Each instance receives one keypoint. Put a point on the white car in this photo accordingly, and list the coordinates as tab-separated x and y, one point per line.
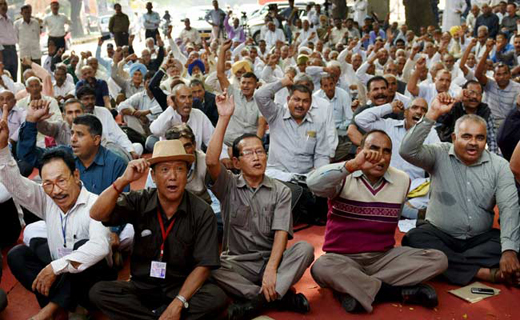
103	23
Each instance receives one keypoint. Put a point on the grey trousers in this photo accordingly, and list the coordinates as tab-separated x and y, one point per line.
360	275
237	279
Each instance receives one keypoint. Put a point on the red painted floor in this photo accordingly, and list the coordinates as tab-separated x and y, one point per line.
506	305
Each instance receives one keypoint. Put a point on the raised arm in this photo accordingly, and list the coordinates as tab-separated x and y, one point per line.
221	65
372	118
106	202
480	74
327	181
264	98
462	63
225	107
413	148
413	84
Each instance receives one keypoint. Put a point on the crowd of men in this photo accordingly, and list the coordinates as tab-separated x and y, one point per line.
349	123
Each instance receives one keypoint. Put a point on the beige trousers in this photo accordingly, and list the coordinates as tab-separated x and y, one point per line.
360	275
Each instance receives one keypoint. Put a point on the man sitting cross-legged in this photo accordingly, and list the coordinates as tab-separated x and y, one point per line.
175	247
61	272
467	182
256	209
361	264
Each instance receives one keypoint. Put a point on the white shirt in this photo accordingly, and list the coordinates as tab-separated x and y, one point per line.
191	35
53	108
111	130
76	222
198	122
141	101
56	24
9	83
28	35
429	92
372	118
66	89
322	111
272	37
341	105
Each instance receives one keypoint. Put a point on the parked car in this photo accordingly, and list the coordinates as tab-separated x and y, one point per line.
103	23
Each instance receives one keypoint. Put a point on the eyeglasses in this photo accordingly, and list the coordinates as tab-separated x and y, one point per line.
48	186
249	153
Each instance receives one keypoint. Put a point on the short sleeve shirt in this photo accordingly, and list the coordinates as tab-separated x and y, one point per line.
251	216
191	243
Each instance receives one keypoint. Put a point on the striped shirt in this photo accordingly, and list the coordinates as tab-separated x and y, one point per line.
500	101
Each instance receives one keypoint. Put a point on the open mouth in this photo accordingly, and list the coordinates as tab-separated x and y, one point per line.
416	118
257	166
172	188
60	198
472	152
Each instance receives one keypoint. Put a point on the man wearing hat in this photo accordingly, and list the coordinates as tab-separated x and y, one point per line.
135	83
175	246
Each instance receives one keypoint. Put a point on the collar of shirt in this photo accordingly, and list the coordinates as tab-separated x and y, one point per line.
387	176
81	200
483	158
266	182
287	115
153	204
99	159
2	17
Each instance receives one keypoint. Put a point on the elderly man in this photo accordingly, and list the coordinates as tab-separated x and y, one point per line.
467	183
34	88
76	244
471	103
373	119
361	264
442	83
99	86
488	19
177	247
264	269
500	91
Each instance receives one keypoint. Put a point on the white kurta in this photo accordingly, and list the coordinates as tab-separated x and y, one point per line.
452	12
360	13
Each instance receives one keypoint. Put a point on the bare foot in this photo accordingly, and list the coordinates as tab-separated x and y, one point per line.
489	275
49	312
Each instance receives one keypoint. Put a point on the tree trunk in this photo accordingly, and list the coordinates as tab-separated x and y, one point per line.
419	14
75	10
339	9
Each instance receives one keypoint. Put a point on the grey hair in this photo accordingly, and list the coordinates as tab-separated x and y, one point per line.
303	78
485	28
470	117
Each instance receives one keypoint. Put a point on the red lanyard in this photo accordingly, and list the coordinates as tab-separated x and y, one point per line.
164	233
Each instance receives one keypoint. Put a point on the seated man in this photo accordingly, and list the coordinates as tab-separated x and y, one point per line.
298	142
373	119
116	139
361	264
204	100
471	104
99	86
140	109
34	87
176	249
256	264
467	182
98	167
63	268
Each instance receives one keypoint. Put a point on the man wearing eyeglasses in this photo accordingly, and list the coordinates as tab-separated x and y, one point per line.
60	276
255	261
471	103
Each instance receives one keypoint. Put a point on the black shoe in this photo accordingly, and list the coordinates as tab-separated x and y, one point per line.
247	310
421	294
347	302
3	300
296	302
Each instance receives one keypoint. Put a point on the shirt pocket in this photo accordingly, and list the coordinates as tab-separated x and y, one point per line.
309	145
266	219
240	216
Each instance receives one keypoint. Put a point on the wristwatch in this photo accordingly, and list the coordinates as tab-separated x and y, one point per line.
185	303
